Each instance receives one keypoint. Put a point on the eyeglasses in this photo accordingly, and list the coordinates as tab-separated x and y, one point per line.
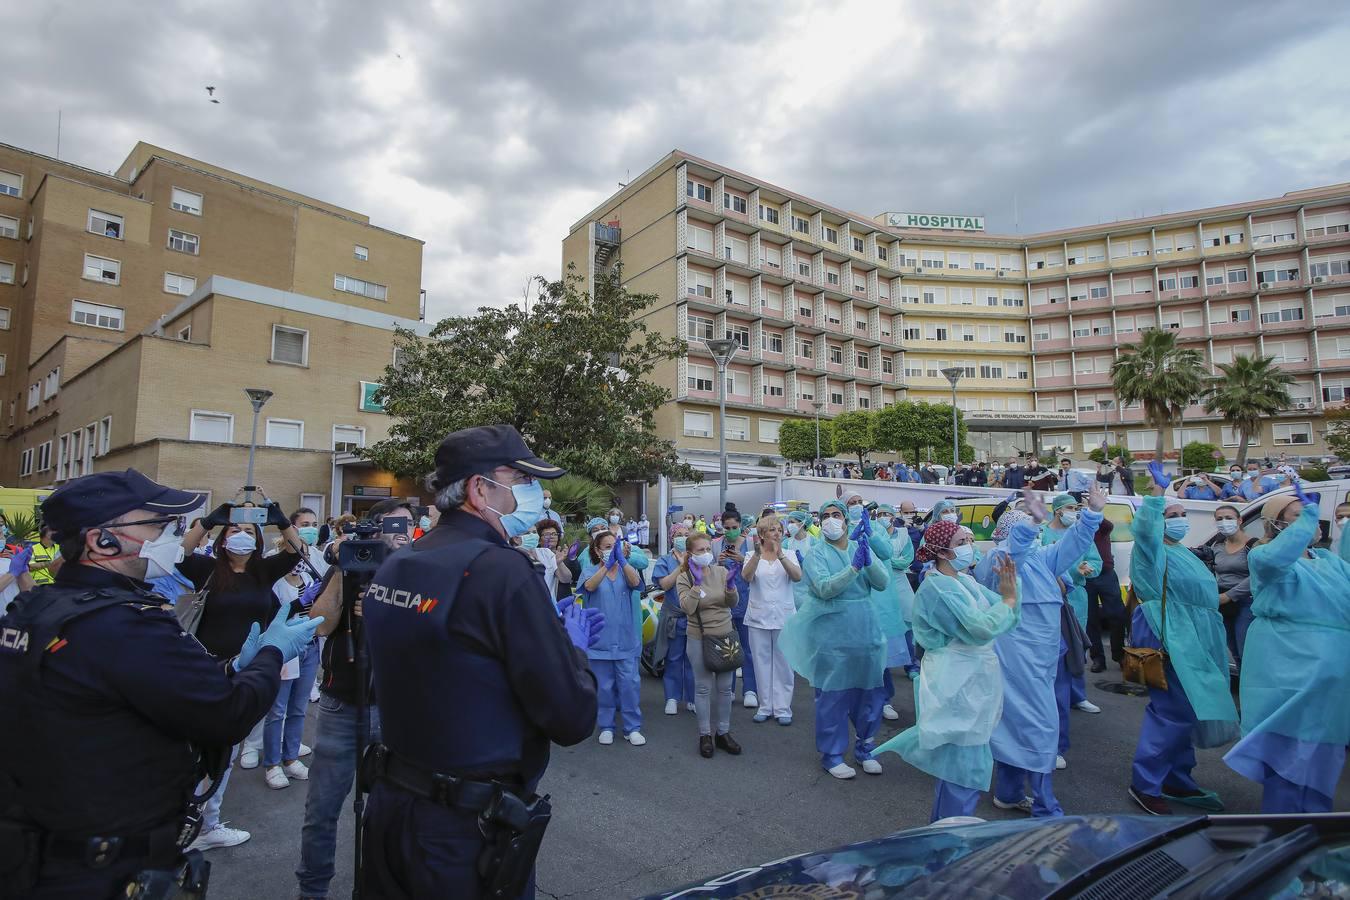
177	521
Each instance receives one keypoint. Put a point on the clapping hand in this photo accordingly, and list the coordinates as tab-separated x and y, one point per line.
311	593
1304	497
1096	497
1034	506
1155	469
862	557
18	563
616	558
1007	578
595	623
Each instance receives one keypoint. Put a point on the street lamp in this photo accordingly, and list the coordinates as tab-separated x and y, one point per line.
257	397
954	374
817	404
723	352
1106	441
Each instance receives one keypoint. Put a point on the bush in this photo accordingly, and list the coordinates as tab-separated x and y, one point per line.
767	463
1313	473
1201	457
23	526
578	499
1111	453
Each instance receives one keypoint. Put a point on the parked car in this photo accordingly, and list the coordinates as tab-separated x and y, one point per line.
1106	857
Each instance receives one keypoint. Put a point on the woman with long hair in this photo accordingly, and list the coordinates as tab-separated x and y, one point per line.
608	584
707	599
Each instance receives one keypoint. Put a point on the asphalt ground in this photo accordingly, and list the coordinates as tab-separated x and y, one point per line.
633	820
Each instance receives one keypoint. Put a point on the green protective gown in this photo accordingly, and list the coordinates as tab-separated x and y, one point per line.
1077	597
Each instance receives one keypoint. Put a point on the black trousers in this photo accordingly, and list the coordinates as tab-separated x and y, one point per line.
1105	610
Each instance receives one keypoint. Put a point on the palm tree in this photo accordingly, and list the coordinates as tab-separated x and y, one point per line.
1248	391
1161	377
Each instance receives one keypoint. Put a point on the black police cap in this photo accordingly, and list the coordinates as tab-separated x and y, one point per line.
477	451
95	499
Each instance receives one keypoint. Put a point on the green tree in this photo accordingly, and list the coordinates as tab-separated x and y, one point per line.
572	373
913	427
797	439
1248	392
1111	453
1338	432
1160	376
1201	456
853	433
578	499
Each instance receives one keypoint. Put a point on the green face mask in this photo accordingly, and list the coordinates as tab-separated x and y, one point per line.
733	533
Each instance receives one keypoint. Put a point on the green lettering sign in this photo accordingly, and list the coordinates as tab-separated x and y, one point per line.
929	220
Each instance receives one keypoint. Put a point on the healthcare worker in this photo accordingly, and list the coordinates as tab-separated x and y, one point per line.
1343	528
1025	742
797	534
731	549
835	641
609	586
1066	511
960	693
1295	721
895	605
1196	708
678	676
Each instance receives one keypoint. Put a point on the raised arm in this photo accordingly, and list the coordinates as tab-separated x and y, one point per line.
823	583
1267	562
1148	558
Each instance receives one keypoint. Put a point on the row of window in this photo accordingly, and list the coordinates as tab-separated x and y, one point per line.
1282	434
702	424
75	452
218	427
1272	312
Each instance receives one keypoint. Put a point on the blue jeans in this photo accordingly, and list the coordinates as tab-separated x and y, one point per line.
679	675
748	663
331	774
286	721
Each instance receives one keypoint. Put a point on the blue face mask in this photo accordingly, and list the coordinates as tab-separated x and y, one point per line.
680	543
965	557
1176	529
529	507
424	523
529	541
855	513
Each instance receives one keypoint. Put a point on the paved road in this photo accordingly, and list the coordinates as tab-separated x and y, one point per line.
631	820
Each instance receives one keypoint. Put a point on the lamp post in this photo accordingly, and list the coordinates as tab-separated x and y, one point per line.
954	374
257	397
1106	441
723	352
817	404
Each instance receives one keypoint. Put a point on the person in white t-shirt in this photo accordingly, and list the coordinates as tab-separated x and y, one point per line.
770	572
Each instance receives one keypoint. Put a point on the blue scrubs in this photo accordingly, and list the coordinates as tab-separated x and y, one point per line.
1069	688
1295	679
741	546
1197	704
614	657
678	677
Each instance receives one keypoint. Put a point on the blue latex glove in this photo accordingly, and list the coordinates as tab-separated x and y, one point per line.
252	643
310	594
616	557
595	623
1155	468
1298	492
566	602
574	623
858	530
18	563
862	558
290	637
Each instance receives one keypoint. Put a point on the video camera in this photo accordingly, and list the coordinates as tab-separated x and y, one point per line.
365	552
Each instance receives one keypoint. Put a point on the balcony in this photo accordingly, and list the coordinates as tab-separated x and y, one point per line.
1053	381
1092	379
1096	417
1284	326
775	402
1323	240
1129	301
1219	329
1045	346
1232	290
1087	304
1329	364
1091	341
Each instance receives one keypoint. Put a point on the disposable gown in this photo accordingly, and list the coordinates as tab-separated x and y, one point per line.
902	557
885	599
1343	544
1196	645
1028	734
1077	596
959	698
835	641
1295	678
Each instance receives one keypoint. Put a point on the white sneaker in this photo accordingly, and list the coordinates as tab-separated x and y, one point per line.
606	737
1087	706
672	707
1023	805
220	836
1061	762
691	707
751	701
314	693
276	779
635	738
888	713
843	771
248	759
297	770
871	767
306	749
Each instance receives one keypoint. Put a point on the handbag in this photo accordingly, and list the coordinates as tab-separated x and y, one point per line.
721	652
1145	665
190	607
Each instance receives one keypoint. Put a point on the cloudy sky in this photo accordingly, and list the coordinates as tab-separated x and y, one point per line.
486	128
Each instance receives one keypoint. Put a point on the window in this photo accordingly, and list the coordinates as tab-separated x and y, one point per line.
698	191
768	431
290	345
350	285
773	385
1316	226
52	386
831	234
3	368
1098	290
1292	433
211	426
348	438
1328	267
1271	276
1233	235
9	227
26	463
771	257
6	273
11	184
700	328
832	276
772	341
737	292
82	312
738	428
800	224
734	203
911	333
864	361
769	214
698	424
700	238
106	224
858	246
737	250
837	398
96	268
1284	312
806	348
933	258
1163	244
179	284
836	354
186	201
887	366
1188	281
1278	232
738	382
700	284
285	433
740	334
881	253
185	333
1141	440
806	389
1183	436
361	253
184	242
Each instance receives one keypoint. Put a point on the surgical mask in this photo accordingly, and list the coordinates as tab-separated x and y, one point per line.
704	559
885	521
855	513
309	534
1342	521
425	522
688	523
1235	473
733	533
1226	526
793	528
614	520
1176	529
1068	516
529	540
833	529
1251	473
548	502
964	558
162	554
951	517
681	542
529	507
241	542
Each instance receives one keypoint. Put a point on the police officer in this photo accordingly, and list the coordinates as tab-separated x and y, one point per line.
476	675
111	707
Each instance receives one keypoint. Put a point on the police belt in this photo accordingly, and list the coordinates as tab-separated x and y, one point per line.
98	851
450	791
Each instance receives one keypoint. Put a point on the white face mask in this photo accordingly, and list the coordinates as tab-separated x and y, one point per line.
241	542
793	528
548	501
1226	526
1342	521
614	520
951	517
964	557
704	559
1068	516
162	554
833	529
688	523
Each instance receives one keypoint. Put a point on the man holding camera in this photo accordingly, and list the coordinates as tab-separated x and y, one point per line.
115	712
477	675
336	750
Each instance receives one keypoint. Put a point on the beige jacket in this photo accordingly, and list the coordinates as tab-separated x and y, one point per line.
710	601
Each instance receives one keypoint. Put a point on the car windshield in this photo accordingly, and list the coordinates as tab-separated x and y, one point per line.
1323	873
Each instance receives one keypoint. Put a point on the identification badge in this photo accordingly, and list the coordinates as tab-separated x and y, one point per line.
701	593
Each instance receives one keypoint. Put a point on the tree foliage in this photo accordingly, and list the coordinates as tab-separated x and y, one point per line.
797	439
852	433
1161	376
913	427
1111	453
1338	432
1246	393
572	374
578	499
1200	455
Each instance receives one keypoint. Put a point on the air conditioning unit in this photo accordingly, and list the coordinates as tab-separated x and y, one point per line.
1318	280
918	271
1000	274
1302	405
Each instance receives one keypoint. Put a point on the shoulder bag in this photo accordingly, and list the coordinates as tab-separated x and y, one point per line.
191	606
1145	665
721	652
